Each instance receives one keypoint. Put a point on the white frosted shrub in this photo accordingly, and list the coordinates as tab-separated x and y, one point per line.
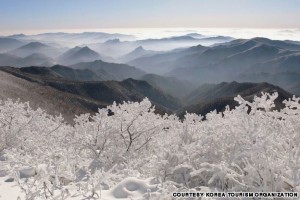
250	148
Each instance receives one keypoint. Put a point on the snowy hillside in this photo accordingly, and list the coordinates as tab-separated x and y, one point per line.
127	151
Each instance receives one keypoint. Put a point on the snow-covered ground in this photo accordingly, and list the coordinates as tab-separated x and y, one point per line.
9	190
129	188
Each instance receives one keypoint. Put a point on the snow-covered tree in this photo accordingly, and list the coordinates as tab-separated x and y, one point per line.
250	148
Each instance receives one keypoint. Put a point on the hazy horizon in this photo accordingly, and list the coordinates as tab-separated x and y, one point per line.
146	33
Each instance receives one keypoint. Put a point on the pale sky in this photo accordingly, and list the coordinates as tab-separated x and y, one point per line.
31	15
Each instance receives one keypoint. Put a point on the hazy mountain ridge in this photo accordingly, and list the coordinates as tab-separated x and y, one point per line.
7	44
36	47
116	48
170	85
112	47
103	92
227	62
77	55
137	53
200	100
119	71
72	39
228	59
163	63
217	96
241	54
93	71
35	59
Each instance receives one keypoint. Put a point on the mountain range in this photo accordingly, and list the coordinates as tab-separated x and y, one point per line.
110	49
75	87
192	72
239	60
72	39
164	62
116	48
113	71
216	97
89	95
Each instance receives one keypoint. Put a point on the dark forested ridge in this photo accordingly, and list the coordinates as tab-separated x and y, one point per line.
88	94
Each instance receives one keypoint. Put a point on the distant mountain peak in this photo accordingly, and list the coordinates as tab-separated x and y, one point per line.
184	37
77	48
195	35
261	39
18	35
86	50
137	53
138	49
57	66
112	41
77	55
98	61
80	50
34	45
